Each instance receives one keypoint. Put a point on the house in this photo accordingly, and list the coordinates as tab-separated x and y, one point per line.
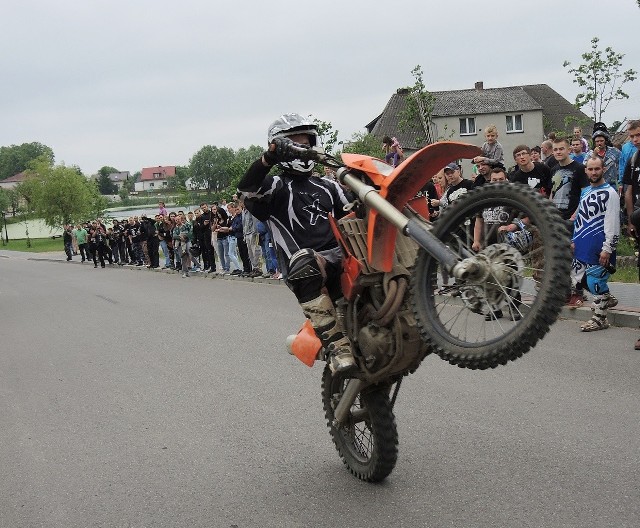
12	181
155	178
522	114
118	178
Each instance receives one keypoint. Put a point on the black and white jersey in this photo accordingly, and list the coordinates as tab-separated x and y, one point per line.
296	208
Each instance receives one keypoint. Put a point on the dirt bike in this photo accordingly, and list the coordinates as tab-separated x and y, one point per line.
504	299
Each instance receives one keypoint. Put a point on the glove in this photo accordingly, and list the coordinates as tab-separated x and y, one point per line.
284	151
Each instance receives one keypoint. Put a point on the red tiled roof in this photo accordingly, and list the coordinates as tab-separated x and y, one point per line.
148	173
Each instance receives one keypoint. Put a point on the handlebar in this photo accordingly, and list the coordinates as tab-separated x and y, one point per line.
316	154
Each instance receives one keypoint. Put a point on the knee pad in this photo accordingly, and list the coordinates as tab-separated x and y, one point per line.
596	278
306	275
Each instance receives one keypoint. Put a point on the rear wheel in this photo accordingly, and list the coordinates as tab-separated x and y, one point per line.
499	315
368	441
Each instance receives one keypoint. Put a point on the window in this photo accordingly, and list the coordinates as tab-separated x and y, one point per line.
157	175
151	185
467	126
514	123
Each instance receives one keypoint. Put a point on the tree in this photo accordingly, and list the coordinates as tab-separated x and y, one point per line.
418	110
361	143
209	167
243	159
601	78
16	158
5	200
59	195
105	185
328	135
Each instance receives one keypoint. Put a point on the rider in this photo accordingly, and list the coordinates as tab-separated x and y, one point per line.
296	204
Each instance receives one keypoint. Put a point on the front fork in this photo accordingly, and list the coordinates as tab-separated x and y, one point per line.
412	228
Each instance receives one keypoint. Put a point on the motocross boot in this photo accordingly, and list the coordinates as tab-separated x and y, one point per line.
322	314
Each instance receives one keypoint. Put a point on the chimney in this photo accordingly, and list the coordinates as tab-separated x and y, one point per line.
479	85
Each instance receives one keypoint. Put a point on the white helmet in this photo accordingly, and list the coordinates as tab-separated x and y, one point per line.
291	125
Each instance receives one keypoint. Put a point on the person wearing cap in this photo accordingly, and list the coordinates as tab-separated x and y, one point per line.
457	185
609	155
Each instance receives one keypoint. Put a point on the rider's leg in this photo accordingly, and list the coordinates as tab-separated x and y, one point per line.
306	277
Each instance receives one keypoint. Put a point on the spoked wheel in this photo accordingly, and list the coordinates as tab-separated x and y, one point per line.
501	312
368	441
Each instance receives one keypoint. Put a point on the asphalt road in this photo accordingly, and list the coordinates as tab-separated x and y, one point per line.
139	399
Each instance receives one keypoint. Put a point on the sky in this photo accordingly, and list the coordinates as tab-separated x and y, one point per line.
138	83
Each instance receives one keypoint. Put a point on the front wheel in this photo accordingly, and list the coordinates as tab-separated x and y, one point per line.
368	442
499	314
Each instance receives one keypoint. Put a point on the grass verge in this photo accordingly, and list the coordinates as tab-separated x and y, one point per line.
38	245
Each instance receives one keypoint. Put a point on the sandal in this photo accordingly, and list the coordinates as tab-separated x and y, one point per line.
595	323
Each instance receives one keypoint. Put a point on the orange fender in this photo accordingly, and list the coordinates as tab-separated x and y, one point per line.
398	185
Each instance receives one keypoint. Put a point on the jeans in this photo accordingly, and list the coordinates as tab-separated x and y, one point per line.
269	253
165	252
233	254
223	253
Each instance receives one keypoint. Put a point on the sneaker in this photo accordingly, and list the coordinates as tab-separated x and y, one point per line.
236	272
493	315
277	275
575	301
185	274
637	347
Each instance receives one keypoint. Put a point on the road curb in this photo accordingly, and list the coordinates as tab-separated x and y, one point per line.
625	317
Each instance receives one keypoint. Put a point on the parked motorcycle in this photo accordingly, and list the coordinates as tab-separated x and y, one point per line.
504	299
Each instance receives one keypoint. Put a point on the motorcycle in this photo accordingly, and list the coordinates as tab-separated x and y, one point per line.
504	299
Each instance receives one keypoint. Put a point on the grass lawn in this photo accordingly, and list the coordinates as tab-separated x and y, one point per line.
38	245
625	275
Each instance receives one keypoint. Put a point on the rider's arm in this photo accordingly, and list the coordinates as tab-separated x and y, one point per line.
253	178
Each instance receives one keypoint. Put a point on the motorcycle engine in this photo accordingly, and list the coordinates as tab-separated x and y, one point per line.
376	344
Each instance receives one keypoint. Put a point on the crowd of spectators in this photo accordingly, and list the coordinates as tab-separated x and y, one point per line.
227	239
559	168
215	238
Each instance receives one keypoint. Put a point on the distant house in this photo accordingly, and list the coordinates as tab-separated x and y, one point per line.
12	181
155	178
522	114
118	178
